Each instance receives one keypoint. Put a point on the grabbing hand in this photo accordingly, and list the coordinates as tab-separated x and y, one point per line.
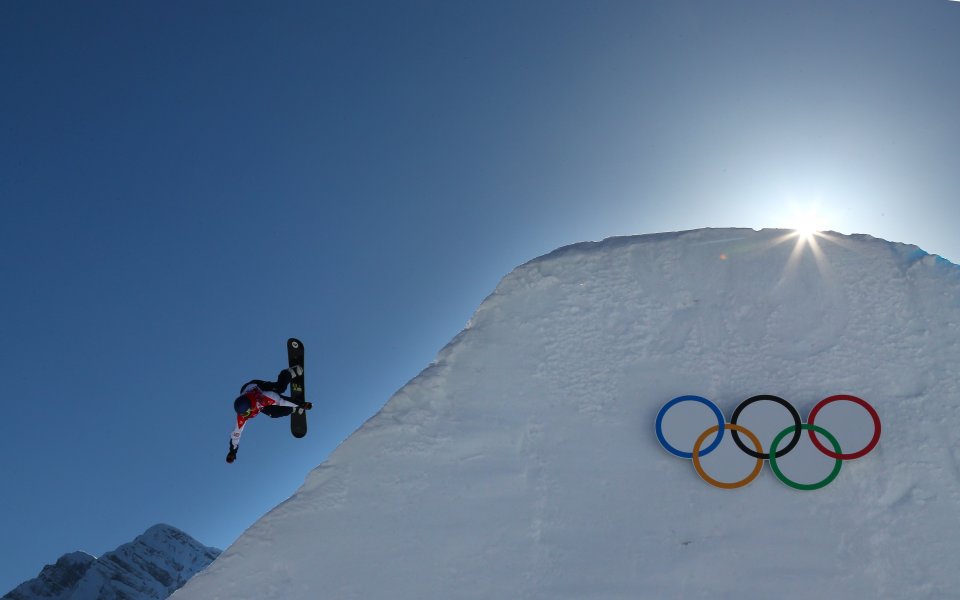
232	454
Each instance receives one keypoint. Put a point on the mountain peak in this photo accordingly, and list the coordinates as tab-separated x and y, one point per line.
57	580
161	535
151	567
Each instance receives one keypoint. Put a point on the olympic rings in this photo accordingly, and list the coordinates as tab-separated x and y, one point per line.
782	402
796	429
669	405
720	484
852	455
801	486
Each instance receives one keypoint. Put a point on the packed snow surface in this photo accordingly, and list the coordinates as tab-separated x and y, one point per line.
524	463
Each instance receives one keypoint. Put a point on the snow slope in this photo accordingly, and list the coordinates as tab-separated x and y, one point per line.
523	463
150	567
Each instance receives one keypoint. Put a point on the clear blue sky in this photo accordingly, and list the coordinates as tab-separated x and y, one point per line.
184	185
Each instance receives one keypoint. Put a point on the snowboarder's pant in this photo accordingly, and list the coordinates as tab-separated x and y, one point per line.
283	380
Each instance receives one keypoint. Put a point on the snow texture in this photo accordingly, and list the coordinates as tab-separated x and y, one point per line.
523	463
151	567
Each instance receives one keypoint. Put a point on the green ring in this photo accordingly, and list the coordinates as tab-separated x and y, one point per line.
802	486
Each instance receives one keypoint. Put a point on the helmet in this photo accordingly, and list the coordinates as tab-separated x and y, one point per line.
242	404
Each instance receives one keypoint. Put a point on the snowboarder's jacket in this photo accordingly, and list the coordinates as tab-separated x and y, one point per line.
262	399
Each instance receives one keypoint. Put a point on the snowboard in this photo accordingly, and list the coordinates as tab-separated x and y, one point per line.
298	420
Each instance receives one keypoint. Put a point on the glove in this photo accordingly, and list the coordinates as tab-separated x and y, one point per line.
307	405
232	454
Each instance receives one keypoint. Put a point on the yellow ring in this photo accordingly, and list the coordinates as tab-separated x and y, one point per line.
721	484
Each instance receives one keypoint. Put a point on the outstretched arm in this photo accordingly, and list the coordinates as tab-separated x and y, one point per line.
235	439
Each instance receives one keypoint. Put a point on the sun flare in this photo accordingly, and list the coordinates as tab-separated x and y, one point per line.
807	222
809	228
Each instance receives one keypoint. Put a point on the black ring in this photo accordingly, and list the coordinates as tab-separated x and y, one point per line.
796	426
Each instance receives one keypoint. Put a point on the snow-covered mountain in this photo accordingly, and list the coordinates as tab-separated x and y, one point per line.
150	567
524	463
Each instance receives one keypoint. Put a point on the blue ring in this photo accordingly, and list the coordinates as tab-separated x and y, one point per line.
703	452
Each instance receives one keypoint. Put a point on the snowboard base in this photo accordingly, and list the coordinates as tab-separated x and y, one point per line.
298	419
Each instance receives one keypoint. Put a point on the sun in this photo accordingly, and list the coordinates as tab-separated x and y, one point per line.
807	221
808	227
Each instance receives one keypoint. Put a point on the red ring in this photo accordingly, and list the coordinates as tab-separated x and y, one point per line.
850	455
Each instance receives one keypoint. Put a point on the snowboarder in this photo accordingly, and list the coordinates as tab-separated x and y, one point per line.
260	396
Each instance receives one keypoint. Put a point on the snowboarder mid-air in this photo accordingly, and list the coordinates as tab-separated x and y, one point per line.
259	396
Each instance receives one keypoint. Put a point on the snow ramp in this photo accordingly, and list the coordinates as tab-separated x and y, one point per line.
524	463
